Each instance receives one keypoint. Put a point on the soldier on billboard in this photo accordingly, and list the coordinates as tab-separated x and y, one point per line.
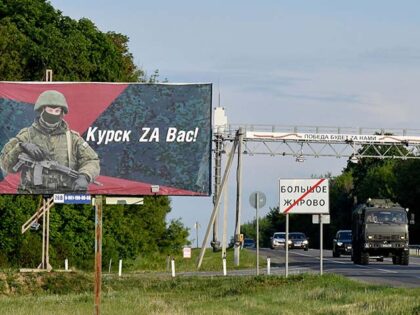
51	157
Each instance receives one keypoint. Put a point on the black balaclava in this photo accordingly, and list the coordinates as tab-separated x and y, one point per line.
50	121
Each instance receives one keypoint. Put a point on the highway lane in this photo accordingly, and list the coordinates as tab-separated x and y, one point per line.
376	272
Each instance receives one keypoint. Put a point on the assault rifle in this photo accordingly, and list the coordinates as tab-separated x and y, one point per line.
38	166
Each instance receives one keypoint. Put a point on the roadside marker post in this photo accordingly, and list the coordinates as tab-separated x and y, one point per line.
173	267
120	268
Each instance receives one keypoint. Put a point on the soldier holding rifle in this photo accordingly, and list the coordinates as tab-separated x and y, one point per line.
51	157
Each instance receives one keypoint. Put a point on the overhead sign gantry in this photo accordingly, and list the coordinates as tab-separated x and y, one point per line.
300	142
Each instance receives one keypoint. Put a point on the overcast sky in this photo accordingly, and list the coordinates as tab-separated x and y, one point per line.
320	63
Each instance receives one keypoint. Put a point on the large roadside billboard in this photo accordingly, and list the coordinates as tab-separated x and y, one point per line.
105	138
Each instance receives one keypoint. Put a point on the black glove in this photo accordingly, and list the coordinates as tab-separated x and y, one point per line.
81	183
33	151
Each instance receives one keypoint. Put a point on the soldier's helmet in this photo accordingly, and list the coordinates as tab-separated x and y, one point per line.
51	98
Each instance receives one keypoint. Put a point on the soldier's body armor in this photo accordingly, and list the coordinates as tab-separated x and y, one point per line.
61	145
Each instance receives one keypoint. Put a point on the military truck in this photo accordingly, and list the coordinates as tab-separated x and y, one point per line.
380	229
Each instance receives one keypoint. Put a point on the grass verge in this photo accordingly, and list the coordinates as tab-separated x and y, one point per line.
153	294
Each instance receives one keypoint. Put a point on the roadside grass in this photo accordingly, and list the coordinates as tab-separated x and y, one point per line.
160	294
212	261
146	287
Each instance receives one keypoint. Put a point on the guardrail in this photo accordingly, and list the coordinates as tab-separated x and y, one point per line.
414	250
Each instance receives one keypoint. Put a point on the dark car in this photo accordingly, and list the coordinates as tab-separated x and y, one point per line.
299	240
249	243
342	243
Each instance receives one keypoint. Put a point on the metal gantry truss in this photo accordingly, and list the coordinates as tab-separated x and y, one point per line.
385	143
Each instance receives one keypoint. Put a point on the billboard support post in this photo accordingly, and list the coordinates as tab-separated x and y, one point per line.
98	253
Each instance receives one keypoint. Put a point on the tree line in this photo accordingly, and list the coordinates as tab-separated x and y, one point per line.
34	36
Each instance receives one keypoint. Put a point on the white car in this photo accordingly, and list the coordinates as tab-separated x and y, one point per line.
278	240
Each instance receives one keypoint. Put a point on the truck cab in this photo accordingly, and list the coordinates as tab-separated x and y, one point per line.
380	229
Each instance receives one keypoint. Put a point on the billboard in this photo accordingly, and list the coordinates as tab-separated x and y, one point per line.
105	138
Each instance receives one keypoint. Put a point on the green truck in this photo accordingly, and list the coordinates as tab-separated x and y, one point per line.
380	229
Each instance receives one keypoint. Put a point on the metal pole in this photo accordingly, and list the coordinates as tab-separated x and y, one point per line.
217	175
43	235
258	232
47	241
287	245
225	211
238	199
98	253
196	231
321	246
216	206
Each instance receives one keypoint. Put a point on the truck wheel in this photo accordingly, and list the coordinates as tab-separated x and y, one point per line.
396	260
380	259
336	254
364	258
356	257
404	258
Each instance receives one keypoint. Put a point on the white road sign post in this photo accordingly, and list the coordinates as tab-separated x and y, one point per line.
308	196
257	200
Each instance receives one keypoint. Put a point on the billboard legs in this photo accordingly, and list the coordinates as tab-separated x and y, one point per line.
98	253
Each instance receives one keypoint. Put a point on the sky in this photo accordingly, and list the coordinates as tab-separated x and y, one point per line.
287	63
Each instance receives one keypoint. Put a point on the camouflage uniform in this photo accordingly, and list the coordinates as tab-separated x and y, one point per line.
54	141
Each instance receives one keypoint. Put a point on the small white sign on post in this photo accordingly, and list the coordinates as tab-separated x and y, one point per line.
325	218
304	196
187	252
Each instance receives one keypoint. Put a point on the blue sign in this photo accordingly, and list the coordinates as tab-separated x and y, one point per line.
72	199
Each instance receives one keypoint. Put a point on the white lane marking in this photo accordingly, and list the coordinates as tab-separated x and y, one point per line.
367	267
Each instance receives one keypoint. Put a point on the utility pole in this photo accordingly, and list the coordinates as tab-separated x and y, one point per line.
215	243
237	246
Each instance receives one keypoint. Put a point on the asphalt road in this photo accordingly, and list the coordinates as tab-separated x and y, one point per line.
376	272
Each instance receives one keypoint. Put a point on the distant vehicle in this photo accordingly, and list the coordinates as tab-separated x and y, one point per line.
278	240
299	240
249	243
342	243
380	229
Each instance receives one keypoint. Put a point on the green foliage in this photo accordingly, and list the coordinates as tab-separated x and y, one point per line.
35	37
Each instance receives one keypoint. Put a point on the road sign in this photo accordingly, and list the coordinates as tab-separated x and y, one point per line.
257	198
72	198
186	252
304	196
325	219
